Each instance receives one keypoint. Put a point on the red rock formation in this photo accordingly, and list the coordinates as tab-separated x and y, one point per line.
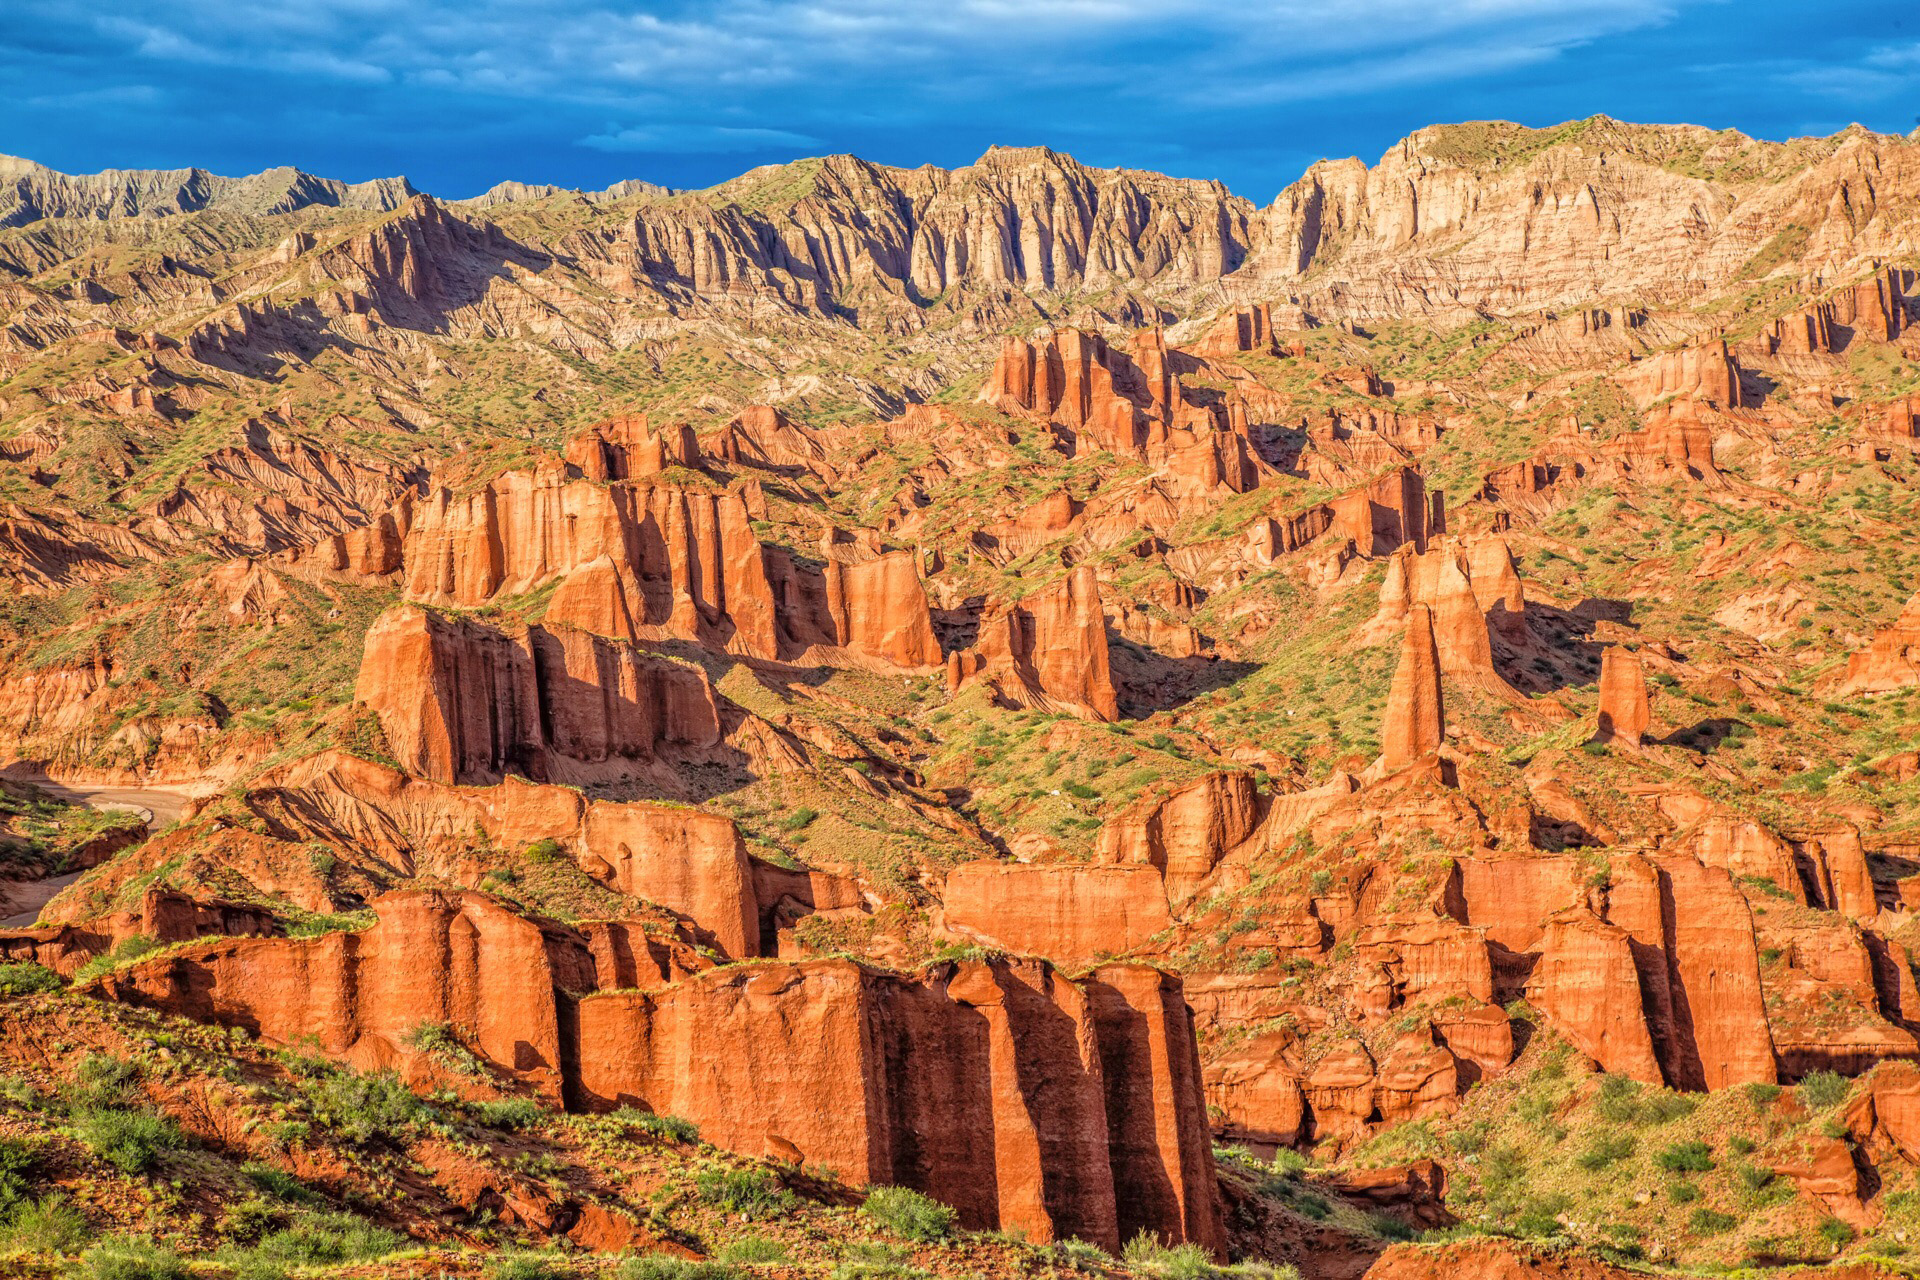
1624	715
690	862
1414	725
1705	373
1185	834
861	607
1392	512
983	1085
762	437
452	959
461	702
1048	650
1892	660
1587	987
1240	330
1069	912
627	448
1256	1089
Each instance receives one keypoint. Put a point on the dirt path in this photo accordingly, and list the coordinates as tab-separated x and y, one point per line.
159	806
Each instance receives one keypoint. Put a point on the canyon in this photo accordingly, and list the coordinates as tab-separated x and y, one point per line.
1138	717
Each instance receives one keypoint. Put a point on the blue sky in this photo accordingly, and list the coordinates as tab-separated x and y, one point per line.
457	94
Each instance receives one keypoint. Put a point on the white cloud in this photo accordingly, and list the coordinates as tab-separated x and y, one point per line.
696	139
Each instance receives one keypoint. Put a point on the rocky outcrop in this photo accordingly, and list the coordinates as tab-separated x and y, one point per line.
661	561
1047	650
983	1085
1242	330
33	192
1415	724
462	702
437	959
1892	660
688	861
1072	913
629	448
1706	375
1624	714
1391	512
1186	834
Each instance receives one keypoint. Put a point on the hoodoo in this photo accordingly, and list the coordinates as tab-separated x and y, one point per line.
1415	723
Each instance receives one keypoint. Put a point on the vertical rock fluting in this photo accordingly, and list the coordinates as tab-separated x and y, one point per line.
1624	713
1047	650
1415	723
1028	1102
981	1084
462	702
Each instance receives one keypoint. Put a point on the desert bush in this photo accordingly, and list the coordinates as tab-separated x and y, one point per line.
1605	1150
25	978
753	1249
102	1080
132	1260
326	1238
1174	1262
510	1113
660	1266
363	1107
909	1214
668	1128
277	1183
49	1225
529	1266
130	1141
1686	1157
751	1193
1823	1089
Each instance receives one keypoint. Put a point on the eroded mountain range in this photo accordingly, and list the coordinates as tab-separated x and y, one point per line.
1002	681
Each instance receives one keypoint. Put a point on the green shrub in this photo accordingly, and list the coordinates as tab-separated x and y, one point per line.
1618	1099
1288	1163
364	1107
50	1225
439	1041
510	1113
1753	1177
129	949
909	1214
130	1141
541	852
529	1266
1708	1222
1176	1262
667	1128
25	978
1686	1157
323	1238
1823	1089
753	1249
102	1080
752	1193
1078	1255
277	1183
1388	1227
1682	1192
1836	1233
1605	1150
798	819
132	1260
660	1266
16	1161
